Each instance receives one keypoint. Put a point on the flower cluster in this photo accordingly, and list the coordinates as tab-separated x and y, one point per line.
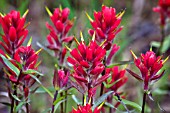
86	109
87	62
163	9
60	78
105	25
14	29
58	33
149	64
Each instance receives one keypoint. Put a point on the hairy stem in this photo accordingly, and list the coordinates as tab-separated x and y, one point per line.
13	99
144	101
55	97
62	105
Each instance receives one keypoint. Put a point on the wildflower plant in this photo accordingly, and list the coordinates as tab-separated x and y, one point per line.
86	72
20	62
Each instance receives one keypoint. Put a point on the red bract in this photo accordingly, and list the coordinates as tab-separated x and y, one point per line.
118	78
14	29
87	62
105	25
149	64
60	79
163	9
86	109
58	33
25	58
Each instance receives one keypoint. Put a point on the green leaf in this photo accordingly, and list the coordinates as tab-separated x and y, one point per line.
19	106
133	104
76	100
45	89
56	106
31	71
45	48
58	100
155	44
101	99
35	78
10	65
15	97
120	63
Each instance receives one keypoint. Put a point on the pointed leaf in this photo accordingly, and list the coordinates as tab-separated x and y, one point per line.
31	71
76	100
15	97
120	63
10	65
101	99
134	74
35	78
133	104
19	106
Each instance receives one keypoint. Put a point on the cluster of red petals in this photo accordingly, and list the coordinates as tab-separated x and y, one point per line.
149	64
164	9
27	57
14	31
58	33
87	62
105	25
86	109
60	78
118	78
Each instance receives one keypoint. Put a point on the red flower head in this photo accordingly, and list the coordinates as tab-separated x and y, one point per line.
14	29
149	64
87	62
27	58
164	9
60	79
118	78
58	33
105	25
86	109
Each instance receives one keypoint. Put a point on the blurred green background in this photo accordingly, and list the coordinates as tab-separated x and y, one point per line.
141	28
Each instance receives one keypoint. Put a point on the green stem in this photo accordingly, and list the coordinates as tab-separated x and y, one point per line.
13	99
144	101
62	105
55	97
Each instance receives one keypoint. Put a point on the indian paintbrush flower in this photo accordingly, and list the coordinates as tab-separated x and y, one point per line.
149	64
164	9
14	29
105	25
87	109
62	25
88	64
60	78
25	58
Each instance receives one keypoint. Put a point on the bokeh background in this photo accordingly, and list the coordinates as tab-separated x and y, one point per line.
141	29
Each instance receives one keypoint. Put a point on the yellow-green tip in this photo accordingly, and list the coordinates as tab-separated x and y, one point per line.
25	14
88	16
81	36
165	60
119	15
48	11
68	48
37	52
133	54
76	41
